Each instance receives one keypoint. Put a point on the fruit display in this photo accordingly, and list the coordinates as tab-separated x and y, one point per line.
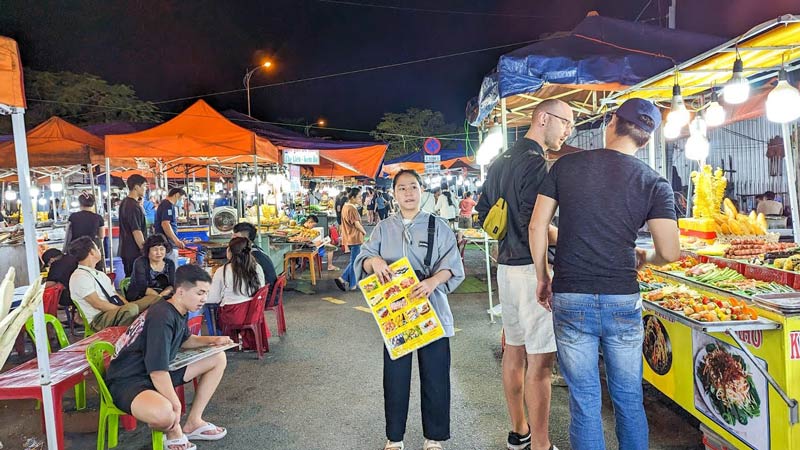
709	188
748	248
733	223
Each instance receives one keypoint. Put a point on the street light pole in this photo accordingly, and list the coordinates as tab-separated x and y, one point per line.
247	76
319	123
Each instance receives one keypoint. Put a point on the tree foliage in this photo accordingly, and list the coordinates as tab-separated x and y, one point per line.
81	99
405	132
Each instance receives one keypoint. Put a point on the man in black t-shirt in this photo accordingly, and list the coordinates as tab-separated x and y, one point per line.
604	197
139	378
132	225
167	221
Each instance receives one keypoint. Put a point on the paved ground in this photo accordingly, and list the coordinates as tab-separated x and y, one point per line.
320	388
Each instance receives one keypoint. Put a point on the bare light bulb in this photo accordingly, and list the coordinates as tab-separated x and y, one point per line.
737	89
715	114
783	102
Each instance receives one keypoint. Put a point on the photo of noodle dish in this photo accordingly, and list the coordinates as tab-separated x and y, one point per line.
656	348
726	384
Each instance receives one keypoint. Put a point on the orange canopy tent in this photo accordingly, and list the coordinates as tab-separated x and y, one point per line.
12	92
200	134
56	142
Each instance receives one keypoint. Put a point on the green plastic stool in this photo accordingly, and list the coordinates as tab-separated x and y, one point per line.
80	388
87	327
96	354
123	286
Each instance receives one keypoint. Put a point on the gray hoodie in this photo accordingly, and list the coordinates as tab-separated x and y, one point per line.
390	241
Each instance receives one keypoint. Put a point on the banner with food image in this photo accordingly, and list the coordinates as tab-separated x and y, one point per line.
730	391
406	323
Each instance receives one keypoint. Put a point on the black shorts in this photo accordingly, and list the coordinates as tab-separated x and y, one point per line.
124	391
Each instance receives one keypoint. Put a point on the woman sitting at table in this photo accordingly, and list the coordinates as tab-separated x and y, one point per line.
153	274
234	285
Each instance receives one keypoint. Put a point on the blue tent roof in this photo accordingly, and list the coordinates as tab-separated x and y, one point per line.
419	155
599	51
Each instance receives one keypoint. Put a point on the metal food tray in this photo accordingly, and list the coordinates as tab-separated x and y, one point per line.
788	302
680	277
712	327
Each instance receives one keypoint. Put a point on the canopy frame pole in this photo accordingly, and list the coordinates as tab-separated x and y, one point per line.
488	259
791	176
29	225
651	152
110	219
238	195
504	123
208	202
258	200
91	183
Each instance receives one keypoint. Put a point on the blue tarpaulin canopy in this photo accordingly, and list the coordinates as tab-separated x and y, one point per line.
600	55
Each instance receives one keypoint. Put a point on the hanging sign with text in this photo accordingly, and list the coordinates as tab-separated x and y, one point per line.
301	157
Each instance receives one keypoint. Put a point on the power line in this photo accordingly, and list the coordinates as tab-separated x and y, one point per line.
349	72
348	130
436	11
643	10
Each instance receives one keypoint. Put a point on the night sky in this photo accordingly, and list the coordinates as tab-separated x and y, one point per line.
171	49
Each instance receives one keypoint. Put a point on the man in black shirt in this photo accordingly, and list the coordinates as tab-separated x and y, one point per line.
139	378
167	221
604	197
132	225
530	345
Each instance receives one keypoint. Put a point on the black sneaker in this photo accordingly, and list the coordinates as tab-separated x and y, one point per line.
518	441
340	284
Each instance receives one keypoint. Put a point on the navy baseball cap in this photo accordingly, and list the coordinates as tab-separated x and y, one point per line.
634	108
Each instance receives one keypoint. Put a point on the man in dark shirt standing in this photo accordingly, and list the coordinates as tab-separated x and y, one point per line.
132	226
604	197
167	221
516	176
139	378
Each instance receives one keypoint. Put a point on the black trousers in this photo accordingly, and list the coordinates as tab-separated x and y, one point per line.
434	374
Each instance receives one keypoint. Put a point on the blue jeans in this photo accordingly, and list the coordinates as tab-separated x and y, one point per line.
349	274
583	323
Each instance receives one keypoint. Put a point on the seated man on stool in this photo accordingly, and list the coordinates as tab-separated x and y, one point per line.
94	292
139	378
311	222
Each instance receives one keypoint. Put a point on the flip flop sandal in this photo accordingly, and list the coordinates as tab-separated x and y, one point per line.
432	445
197	435
394	446
181	441
334	269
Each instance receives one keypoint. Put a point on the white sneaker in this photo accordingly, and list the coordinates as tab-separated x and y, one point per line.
393	445
432	445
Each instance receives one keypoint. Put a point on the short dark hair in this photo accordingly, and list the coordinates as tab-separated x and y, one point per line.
189	275
156	240
50	253
312	218
80	248
174	191
406	172
246	227
769	195
353	192
135	180
86	200
627	128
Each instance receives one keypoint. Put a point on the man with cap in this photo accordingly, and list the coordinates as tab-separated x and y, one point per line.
604	197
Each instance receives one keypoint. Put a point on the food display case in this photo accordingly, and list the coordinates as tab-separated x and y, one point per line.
740	378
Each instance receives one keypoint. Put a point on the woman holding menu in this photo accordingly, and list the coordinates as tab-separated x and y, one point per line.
431	248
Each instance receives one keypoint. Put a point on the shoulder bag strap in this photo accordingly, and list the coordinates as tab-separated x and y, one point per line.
431	236
108	297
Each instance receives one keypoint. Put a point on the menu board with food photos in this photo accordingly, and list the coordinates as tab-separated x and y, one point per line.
406	323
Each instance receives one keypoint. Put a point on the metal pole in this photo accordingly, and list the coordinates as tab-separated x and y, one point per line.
238	192
258	200
671	15
97	210
504	123
110	251
208	192
651	152
488	261
32	262
791	175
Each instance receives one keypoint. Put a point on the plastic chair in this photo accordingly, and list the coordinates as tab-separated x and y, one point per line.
211	313
80	388
87	327
196	324
51	297
123	286
275	304
96	354
253	321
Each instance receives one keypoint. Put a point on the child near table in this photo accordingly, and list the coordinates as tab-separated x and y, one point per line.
139	378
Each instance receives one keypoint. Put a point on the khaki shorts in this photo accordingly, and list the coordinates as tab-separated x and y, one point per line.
525	321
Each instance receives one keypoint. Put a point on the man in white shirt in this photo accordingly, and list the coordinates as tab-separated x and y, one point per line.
93	291
768	206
